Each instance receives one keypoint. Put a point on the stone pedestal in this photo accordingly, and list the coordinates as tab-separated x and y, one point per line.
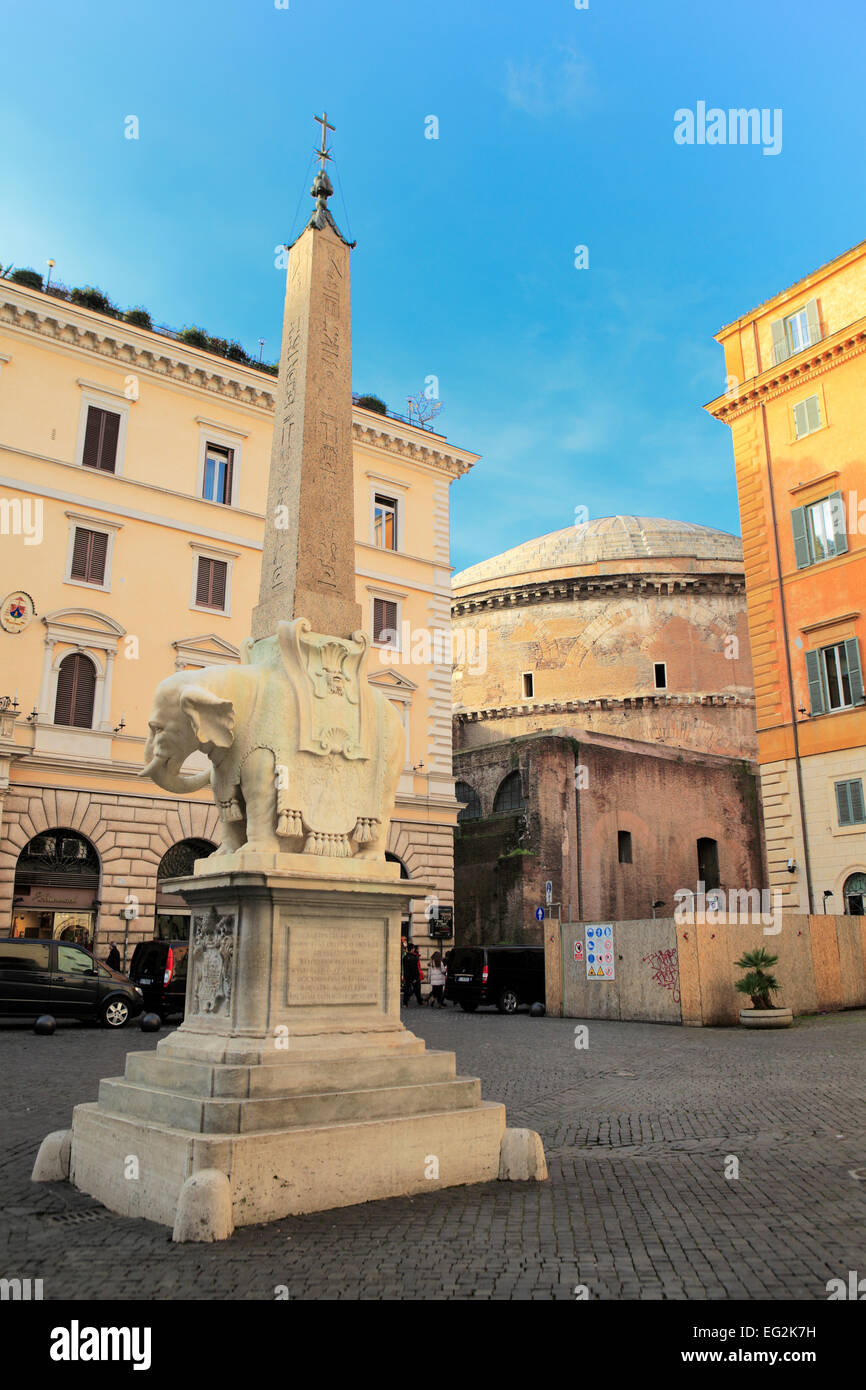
292	1086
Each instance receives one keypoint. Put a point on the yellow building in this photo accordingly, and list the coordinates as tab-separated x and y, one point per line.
133	476
796	406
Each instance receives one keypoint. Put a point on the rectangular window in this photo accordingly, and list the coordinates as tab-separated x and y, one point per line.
799	330
807	416
385	632
89	552
819	530
100	439
835	677
624	846
218	475
850	803
528	685
385	522
661	675
210	588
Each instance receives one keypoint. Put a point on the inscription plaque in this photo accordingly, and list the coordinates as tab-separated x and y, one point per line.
333	965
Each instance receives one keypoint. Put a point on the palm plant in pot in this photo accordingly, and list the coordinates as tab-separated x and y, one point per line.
759	983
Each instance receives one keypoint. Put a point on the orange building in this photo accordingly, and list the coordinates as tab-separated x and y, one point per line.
796	406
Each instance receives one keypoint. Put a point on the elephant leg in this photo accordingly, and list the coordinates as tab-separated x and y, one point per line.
232	836
259	787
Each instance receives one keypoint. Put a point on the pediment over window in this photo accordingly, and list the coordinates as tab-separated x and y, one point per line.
83	627
390	683
205	650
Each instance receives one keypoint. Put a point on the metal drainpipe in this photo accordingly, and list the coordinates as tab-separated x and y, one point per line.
781	588
577	820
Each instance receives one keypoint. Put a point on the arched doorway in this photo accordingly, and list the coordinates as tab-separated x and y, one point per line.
56	888
854	895
406	919
172	913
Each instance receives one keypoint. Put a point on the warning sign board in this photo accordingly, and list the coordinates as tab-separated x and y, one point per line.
599	952
578	950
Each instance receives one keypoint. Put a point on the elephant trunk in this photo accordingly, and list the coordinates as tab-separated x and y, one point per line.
166	773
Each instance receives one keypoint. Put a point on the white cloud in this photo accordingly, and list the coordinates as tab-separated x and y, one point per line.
547	85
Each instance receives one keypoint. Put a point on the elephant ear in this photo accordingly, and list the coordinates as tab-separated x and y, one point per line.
212	718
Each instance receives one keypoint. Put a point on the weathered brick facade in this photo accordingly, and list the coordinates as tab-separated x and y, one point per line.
581	789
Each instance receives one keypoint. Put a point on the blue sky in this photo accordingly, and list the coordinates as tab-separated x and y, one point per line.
578	388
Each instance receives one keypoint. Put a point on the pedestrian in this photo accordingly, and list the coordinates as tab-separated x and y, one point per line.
112	960
412	975
437	980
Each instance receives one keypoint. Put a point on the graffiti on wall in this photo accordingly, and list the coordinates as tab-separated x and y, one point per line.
664	971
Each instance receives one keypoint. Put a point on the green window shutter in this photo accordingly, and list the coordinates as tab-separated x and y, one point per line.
855	674
813	413
816	687
843	802
837	513
858	805
801	423
801	540
813	319
780	341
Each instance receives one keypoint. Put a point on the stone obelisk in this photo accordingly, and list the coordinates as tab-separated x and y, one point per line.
308	562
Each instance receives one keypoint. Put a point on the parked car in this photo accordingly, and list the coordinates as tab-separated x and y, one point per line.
158	968
65	980
506	976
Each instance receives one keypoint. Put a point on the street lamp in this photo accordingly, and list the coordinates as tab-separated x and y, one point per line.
48	281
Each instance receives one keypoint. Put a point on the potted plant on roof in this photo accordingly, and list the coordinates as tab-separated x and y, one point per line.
759	984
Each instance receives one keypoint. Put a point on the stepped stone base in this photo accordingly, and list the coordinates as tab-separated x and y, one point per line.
292	1086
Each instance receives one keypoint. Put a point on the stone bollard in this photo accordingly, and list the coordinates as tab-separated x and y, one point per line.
52	1160
204	1208
521	1157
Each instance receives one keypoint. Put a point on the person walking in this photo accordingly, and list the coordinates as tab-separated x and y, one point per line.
437	980
412	976
112	960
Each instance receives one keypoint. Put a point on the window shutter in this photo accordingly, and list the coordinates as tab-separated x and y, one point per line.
813	319
110	436
76	688
80	548
202	583
780	341
230	466
100	439
219	569
385	621
837	514
801	423
816	688
855	674
92	436
843	802
858	806
801	540
813	414
85	689
98	553
63	703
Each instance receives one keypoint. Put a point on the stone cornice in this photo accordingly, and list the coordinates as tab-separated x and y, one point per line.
791	374
390	437
595	585
632	702
131	349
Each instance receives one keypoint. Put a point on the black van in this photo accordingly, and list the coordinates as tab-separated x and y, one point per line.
506	976
159	970
64	980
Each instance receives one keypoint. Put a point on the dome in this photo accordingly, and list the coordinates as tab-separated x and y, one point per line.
609	544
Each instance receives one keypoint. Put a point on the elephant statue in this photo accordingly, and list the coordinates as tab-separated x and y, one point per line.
305	754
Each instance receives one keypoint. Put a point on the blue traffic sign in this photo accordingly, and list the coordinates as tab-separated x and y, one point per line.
539	914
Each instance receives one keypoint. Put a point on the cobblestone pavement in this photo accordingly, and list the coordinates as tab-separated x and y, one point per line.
637	1130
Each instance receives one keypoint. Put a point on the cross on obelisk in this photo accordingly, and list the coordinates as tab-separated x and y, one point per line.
308	560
